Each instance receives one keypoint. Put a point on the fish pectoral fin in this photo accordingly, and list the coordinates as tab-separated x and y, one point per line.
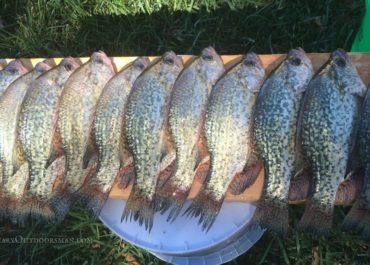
246	178
300	187
349	188
89	154
201	170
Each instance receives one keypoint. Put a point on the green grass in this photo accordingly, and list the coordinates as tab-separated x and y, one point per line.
78	27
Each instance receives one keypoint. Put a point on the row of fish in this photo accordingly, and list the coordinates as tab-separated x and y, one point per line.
67	132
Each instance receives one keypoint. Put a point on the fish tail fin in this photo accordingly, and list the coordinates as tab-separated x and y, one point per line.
171	198
316	220
272	215
140	208
61	203
358	219
18	211
92	199
3	207
206	207
40	210
246	178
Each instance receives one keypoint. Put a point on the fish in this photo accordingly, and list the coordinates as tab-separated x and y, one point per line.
275	127
75	122
10	73
327	131
11	154
358	218
228	127
186	118
37	129
109	136
147	134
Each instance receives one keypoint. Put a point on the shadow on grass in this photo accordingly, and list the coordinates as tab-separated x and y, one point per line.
66	29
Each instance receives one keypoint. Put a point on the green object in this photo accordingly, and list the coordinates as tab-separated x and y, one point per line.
362	41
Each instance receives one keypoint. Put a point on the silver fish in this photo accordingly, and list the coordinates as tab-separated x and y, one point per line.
328	120
186	118
275	127
109	135
228	134
146	132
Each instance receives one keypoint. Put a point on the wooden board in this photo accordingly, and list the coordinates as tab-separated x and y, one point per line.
253	193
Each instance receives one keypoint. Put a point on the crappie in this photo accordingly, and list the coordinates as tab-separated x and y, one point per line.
109	135
76	115
14	169
358	218
146	133
37	126
275	127
228	135
10	73
11	155
186	118
329	115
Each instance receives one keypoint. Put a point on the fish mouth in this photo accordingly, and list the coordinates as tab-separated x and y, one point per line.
171	58
44	65
142	62
252	59
101	58
70	63
297	56
209	53
340	53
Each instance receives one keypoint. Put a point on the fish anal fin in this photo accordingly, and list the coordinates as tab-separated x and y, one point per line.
246	178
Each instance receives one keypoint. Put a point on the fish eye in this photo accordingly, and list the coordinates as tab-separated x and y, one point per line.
168	60
68	67
207	57
340	62
140	66
249	63
295	61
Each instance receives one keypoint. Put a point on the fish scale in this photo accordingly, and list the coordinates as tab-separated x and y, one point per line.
329	118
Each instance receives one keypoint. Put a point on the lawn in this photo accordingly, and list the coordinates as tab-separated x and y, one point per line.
51	28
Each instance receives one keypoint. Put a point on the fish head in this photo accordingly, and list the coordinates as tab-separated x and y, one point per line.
210	65
252	72
170	66
101	65
16	67
345	73
67	66
297	68
41	68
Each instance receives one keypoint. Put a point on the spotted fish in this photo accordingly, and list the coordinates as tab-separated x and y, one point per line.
10	73
275	127
328	121
186	118
14	172
76	115
147	134
109	135
38	126
358	218
228	134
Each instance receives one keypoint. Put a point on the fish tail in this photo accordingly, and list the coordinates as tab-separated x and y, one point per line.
171	197
206	207
40	210
316	220
140	208
16	211
60	203
272	215
3	207
358	219
92	199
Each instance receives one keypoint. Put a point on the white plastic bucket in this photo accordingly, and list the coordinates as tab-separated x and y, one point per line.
183	241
